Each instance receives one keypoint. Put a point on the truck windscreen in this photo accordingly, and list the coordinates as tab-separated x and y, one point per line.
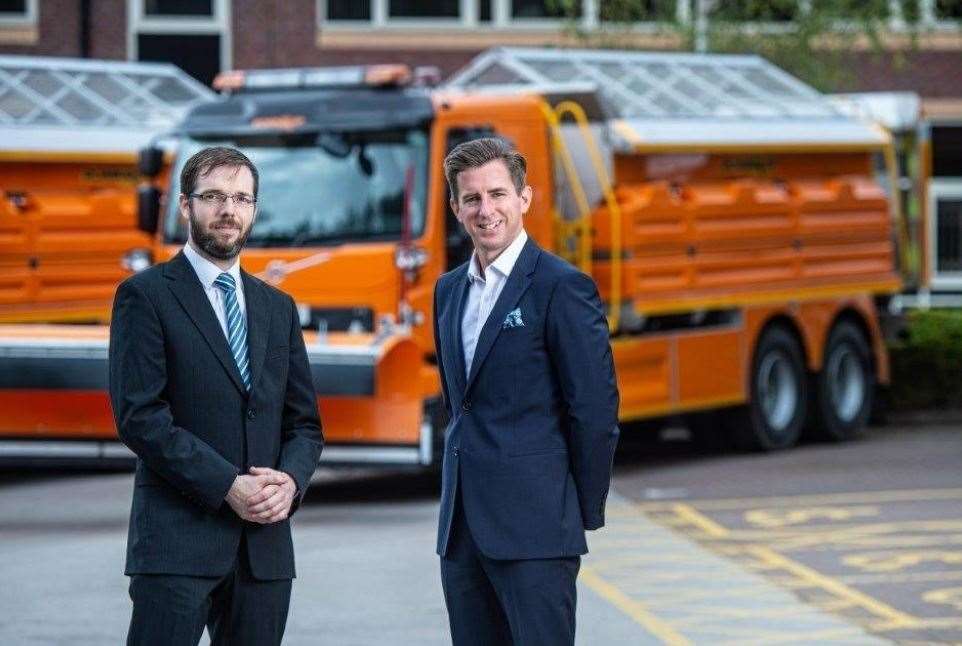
326	188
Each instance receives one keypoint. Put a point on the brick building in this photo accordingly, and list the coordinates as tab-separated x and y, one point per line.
205	36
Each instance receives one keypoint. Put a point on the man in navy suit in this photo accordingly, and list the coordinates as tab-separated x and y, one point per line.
529	383
211	388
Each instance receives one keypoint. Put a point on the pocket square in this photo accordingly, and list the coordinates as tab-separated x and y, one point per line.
513	319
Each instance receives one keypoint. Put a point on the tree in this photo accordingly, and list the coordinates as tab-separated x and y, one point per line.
809	38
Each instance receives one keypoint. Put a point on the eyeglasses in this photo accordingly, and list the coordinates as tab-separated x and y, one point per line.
216	198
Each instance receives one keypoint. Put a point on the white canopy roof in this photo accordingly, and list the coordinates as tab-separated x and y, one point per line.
72	105
897	111
668	98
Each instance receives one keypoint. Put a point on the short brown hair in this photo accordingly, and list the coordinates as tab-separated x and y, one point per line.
477	153
203	162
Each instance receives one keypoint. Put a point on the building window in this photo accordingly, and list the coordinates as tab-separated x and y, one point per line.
18	12
948	9
544	9
13	8
423	9
192	34
529	14
348	10
178	8
629	11
754	11
484	11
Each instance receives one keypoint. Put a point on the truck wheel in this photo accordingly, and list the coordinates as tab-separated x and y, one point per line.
776	411
845	387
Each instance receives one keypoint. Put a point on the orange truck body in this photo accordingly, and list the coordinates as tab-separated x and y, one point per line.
714	251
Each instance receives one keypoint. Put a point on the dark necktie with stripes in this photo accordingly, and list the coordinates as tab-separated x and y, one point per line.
236	326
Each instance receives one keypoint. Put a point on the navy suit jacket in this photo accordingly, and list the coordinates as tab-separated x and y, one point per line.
181	406
534	426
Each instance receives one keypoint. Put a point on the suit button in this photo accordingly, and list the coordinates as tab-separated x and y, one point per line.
466	405
456	452
251	414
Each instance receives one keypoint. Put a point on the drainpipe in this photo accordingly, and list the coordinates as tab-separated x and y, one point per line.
84	28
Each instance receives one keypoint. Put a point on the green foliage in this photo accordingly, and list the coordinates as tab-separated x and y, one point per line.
812	39
927	366
813	45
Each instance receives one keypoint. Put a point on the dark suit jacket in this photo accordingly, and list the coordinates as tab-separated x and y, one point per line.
181	406
534	426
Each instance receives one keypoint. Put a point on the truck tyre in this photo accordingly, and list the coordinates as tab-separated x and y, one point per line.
778	393
845	386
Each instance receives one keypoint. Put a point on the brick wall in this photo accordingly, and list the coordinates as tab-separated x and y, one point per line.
58	31
935	74
269	34
449	61
108	21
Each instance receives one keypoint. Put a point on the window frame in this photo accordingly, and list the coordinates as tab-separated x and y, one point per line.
469	18
501	19
217	24
28	18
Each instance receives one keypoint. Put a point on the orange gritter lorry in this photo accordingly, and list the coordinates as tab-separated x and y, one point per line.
734	221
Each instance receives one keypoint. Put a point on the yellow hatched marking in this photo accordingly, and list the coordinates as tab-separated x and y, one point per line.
899	495
894	561
774	518
895	617
915	577
699	520
810	637
633	609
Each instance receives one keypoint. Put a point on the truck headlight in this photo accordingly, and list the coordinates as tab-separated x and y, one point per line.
136	260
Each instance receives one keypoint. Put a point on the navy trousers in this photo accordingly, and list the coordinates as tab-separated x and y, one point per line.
525	603
237	609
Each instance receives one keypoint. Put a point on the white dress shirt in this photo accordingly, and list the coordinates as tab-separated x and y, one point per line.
208	272
484	292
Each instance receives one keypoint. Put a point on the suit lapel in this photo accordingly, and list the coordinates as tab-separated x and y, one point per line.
188	291
455	346
258	324
518	282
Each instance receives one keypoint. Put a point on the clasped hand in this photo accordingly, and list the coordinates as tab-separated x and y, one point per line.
264	496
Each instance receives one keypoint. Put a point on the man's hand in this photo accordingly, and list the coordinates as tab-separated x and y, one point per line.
246	487
273	502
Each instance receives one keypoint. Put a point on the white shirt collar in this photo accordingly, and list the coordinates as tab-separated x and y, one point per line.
208	271
505	261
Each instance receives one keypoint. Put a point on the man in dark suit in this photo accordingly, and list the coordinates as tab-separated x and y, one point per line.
529	383
211	388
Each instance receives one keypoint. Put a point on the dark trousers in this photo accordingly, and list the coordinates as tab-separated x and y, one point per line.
172	610
525	603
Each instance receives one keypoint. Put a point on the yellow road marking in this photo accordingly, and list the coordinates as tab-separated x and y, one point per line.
947	596
895	617
809	637
911	577
905	495
633	609
894	561
775	518
706	524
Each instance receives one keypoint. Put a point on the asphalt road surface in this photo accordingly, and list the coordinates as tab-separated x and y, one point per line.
832	544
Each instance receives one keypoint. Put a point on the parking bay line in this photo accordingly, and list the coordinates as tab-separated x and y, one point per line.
711	618
768	556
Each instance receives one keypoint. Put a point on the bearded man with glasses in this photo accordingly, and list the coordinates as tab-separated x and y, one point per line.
211	389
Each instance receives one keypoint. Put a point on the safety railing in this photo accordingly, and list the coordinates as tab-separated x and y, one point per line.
583	224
